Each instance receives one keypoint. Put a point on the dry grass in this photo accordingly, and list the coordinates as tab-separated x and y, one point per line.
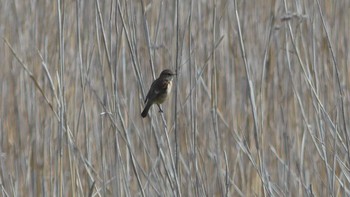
260	106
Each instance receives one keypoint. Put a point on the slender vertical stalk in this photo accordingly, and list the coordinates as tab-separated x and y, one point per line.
177	149
59	164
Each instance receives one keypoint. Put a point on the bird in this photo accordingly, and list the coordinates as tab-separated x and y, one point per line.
159	91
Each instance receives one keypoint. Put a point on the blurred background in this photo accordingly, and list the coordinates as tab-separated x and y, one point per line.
259	107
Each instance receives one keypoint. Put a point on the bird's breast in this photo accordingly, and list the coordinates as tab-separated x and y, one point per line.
170	84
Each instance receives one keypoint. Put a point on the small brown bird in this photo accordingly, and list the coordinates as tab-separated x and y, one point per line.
159	90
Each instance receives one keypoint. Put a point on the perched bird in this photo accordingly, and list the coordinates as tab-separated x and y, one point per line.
159	91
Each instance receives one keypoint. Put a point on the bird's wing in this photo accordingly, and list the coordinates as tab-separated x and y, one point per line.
158	87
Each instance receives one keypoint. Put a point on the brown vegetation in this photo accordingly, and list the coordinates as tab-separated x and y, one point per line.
260	105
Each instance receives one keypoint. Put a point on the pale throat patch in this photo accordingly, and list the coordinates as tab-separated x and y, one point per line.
170	84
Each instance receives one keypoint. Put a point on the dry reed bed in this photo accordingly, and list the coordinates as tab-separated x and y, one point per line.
260	106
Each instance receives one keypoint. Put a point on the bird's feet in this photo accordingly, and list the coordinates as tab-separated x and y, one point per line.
160	109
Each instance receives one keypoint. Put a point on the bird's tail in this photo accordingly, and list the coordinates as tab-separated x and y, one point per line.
145	111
